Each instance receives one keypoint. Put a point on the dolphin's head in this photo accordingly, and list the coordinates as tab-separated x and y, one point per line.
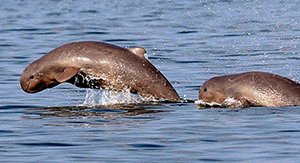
213	91
36	78
40	75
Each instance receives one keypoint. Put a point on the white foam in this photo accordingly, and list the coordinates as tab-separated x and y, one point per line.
107	97
228	102
207	104
232	102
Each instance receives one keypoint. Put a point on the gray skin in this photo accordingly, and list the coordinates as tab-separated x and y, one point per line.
98	65
251	89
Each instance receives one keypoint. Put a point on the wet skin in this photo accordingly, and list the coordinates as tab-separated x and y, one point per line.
92	64
251	89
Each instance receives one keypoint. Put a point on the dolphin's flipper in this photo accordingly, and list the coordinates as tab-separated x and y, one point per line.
67	74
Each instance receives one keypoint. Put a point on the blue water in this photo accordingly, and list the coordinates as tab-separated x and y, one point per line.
190	42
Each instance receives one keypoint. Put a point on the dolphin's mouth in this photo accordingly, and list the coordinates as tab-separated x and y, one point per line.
34	88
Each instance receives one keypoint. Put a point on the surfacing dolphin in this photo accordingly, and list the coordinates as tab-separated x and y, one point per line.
249	89
91	64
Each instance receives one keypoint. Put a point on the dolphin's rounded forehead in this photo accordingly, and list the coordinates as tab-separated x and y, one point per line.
213	82
29	69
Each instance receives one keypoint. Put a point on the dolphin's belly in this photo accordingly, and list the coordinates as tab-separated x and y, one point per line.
86	79
83	80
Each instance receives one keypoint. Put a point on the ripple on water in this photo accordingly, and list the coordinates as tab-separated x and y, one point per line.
187	32
147	146
47	144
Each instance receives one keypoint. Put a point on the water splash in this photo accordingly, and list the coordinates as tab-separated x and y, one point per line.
228	102
200	103
107	97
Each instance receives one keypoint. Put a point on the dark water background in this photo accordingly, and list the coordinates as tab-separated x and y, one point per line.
189	41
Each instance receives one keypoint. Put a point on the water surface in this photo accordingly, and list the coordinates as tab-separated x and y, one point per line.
190	42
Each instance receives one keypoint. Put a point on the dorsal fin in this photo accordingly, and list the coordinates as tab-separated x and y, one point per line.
139	51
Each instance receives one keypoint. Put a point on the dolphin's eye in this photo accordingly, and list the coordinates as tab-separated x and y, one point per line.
31	77
204	89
